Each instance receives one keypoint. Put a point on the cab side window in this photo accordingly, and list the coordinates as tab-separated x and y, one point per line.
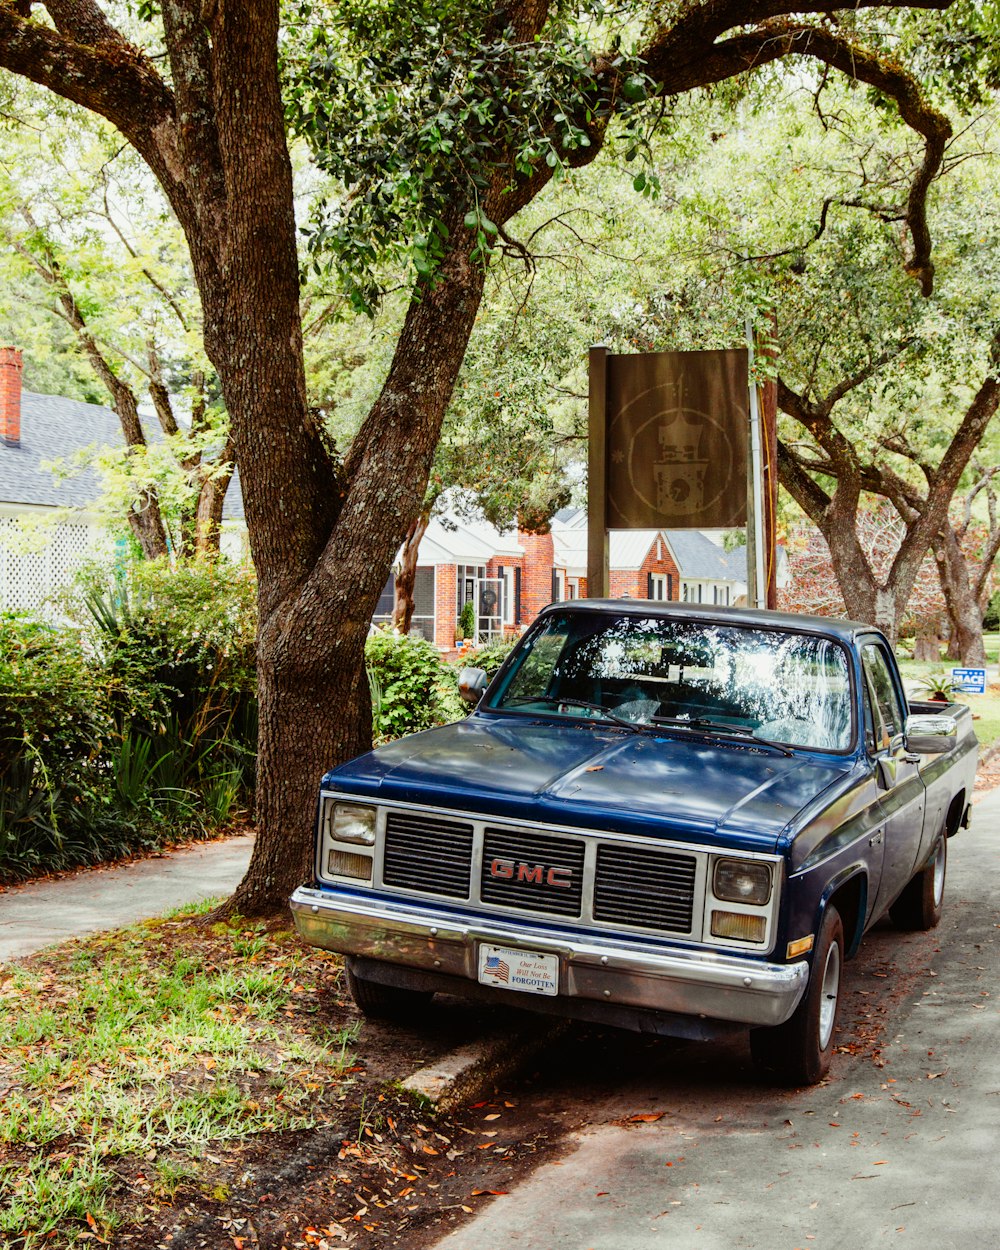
888	713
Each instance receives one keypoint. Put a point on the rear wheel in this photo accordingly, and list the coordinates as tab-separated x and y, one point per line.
798	1052
921	903
386	1002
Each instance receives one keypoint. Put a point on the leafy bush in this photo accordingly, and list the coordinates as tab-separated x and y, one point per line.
180	645
467	619
134	727
54	722
490	657
412	689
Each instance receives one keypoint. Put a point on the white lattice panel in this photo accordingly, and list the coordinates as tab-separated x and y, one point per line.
28	577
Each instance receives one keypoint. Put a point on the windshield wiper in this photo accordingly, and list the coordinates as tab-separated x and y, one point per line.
704	723
553	701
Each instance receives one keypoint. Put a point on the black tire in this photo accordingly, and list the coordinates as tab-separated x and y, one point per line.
386	1002
798	1052
920	905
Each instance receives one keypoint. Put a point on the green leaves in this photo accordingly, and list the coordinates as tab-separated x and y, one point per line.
415	110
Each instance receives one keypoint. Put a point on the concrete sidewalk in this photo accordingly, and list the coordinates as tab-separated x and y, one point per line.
45	912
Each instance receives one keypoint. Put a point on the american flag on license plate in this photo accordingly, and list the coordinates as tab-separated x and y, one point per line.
496	966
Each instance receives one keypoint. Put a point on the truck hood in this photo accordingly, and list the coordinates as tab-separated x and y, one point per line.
595	776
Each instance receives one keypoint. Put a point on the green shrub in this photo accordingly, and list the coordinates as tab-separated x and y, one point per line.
467	619
180	644
412	689
490	657
55	791
136	726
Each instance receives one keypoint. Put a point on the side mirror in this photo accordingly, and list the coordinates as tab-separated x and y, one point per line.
471	684
931	735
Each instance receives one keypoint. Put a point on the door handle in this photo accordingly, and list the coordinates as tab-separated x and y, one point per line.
876	838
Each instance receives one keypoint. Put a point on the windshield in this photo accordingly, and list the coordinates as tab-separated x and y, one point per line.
783	687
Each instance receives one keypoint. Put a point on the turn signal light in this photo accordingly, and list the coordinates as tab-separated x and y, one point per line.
349	864
732	924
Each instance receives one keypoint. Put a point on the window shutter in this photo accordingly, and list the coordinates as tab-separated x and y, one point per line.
555	585
670	586
649	585
517	596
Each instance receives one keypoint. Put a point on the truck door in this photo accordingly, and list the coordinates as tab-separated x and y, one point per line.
901	789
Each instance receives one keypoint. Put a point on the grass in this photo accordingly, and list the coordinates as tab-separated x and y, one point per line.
141	1047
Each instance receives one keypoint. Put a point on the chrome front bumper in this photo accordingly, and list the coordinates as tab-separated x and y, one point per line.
715	985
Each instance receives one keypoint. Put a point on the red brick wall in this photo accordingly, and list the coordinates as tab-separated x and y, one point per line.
664	565
635	582
445	596
11	365
536	578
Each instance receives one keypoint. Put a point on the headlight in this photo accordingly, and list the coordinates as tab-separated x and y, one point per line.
742	881
349	822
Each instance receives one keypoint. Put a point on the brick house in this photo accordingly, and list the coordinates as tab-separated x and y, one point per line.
511	576
49	526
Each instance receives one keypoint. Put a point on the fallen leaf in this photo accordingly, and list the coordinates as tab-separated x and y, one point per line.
497	1193
649	1117
933	1076
594	768
494	1116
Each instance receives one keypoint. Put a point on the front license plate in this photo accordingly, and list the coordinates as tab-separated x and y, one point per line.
527	971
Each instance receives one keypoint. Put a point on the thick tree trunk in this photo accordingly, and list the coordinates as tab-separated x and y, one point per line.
406	574
927	647
965	644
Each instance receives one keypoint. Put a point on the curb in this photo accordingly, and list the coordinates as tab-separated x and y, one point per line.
471	1071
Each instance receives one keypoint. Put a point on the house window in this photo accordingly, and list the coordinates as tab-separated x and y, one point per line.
572	588
658	588
509	594
466	576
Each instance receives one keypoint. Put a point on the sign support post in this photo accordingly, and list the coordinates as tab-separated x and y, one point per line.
598	575
756	543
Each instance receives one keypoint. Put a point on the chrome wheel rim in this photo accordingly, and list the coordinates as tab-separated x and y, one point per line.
829	993
940	859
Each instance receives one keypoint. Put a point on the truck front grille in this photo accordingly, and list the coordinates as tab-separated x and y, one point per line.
646	888
428	854
532	871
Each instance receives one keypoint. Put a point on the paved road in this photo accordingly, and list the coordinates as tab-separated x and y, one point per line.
39	914
899	1148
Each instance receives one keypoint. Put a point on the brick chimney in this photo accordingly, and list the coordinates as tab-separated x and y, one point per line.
11	365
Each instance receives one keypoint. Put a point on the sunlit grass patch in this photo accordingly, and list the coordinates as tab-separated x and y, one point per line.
147	1044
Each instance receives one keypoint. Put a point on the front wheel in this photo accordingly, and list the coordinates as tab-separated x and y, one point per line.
920	905
798	1052
386	1002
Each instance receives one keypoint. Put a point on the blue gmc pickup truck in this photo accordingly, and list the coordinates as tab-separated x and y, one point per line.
671	818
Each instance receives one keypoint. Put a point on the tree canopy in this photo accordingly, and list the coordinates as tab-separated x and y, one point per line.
441	122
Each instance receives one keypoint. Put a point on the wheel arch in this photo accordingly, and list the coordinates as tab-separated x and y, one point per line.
956	814
849	894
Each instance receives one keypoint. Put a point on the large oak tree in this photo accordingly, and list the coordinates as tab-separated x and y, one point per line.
209	119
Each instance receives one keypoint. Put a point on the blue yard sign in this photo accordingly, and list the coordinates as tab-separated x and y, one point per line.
969	680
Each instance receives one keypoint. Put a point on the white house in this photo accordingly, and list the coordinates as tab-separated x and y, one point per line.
48	526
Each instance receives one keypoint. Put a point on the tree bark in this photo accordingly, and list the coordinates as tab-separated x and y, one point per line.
406	574
964	613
